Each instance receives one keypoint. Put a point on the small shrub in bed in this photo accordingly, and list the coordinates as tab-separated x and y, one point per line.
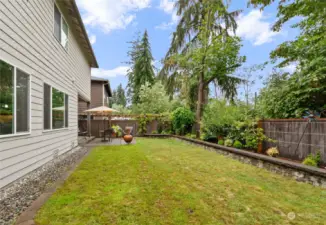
272	152
312	160
221	142
237	144
228	142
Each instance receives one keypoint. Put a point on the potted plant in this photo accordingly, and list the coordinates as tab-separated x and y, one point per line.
116	131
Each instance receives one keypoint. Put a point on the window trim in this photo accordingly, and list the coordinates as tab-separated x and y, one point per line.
51	119
29	132
62	18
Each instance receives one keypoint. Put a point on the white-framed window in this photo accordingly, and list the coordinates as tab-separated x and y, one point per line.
15	104
55	108
60	27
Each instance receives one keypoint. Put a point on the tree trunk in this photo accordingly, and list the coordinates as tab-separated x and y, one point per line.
199	110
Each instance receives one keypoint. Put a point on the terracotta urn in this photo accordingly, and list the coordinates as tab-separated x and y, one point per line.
128	138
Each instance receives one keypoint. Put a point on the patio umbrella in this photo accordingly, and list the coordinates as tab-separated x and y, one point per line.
103	111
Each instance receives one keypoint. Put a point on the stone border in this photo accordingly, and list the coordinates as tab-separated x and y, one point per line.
16	197
299	172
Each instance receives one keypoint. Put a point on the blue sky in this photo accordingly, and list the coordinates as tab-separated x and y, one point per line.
111	24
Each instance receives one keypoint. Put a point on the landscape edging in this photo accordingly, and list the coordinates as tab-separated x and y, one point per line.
299	172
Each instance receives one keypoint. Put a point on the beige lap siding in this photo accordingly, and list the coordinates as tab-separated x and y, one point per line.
27	41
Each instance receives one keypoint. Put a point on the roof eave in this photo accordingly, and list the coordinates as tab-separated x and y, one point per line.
94	63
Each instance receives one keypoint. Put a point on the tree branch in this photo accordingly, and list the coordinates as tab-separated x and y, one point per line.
213	77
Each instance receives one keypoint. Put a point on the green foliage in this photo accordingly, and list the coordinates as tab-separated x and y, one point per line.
152	99
190	135
221	142
237	144
309	162
118	97
121	109
306	88
5	112
117	130
313	160
143	121
142	70
219	117
288	96
182	120
154	132
201	52
228	142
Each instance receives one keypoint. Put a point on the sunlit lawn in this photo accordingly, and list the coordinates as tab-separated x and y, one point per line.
162	181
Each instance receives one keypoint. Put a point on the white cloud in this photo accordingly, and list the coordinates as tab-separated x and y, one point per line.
110	15
118	71
168	7
255	28
92	39
291	68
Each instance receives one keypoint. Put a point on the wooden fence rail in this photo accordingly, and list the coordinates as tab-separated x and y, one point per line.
296	138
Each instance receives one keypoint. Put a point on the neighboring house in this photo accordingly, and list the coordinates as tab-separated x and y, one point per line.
100	94
45	70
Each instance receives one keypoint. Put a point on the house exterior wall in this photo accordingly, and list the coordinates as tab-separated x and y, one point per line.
27	41
97	89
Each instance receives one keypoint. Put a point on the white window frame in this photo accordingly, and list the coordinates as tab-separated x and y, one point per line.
61	30
15	134
64	111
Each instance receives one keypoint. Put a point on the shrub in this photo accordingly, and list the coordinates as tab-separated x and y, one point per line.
221	142
309	161
182	120
154	132
273	152
166	132
237	144
228	142
312	160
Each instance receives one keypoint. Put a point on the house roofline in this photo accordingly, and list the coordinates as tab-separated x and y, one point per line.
106	84
80	29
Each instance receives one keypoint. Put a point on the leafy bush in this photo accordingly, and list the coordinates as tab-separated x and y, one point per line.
220	117
166	132
143	121
117	130
228	142
182	120
309	162
237	144
152	99
272	152
221	142
312	160
154	132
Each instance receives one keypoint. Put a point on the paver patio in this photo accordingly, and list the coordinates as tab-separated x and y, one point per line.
164	181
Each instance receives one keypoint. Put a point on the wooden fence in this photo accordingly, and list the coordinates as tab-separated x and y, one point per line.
296	138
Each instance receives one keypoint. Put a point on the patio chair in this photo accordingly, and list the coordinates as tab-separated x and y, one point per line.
82	131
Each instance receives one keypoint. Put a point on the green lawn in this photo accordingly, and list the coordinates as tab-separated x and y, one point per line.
161	181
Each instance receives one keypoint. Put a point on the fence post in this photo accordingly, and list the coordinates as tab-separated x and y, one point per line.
260	144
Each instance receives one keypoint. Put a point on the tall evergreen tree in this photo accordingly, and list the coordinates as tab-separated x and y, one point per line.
120	96
142	70
203	23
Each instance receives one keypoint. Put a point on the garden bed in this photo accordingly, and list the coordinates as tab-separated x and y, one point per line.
298	171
